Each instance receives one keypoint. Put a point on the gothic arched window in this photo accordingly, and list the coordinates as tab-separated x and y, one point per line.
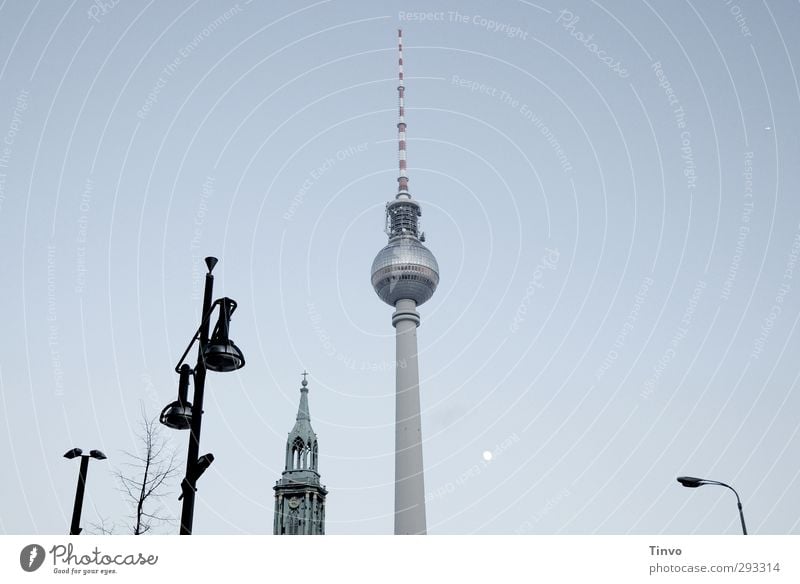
298	452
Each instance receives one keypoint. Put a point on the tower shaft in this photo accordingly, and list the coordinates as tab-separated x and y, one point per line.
409	481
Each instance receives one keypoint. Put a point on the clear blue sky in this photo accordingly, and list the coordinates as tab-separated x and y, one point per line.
609	189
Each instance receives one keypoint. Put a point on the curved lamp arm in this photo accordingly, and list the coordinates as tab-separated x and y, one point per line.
738	503
693	482
206	320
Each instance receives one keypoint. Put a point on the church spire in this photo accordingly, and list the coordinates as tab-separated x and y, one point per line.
302	410
299	495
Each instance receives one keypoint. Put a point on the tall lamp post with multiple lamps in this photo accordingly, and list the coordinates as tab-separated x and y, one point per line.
217	353
694	482
75	526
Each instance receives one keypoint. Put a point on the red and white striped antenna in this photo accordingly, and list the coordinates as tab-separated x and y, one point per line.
402	179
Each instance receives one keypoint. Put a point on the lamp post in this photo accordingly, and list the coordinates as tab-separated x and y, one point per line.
694	482
75	527
217	353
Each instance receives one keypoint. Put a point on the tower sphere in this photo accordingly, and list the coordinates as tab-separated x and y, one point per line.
405	270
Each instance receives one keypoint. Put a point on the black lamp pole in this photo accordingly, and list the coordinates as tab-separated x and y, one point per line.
75	526
218	353
188	485
694	482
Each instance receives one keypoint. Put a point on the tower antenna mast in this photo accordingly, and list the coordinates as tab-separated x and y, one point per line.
402	179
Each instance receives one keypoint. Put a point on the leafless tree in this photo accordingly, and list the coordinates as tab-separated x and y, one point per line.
145	478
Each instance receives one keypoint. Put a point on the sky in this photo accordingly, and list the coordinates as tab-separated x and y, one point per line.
610	190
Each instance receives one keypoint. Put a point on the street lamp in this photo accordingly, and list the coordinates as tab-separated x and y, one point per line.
218	353
178	414
75	528
694	482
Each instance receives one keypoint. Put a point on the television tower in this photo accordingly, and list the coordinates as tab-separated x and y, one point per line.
404	275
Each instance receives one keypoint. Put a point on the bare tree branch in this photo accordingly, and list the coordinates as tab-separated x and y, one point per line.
146	476
101	528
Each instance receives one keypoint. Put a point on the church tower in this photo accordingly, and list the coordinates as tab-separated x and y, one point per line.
299	496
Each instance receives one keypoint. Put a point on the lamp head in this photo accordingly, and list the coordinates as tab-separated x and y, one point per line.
221	354
96	454
691	482
177	415
74	453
